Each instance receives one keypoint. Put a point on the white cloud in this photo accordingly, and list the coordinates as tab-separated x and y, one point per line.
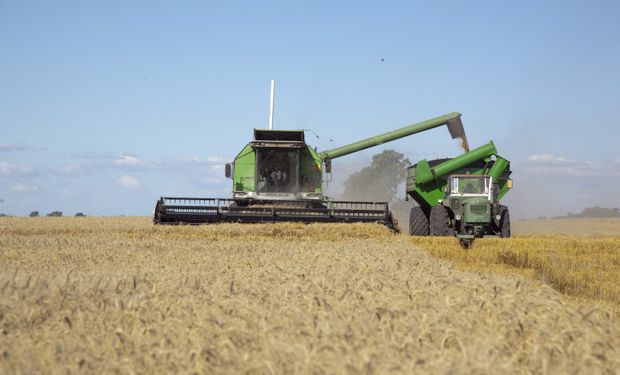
90	155
24	188
128	160
14	147
547	164
128	182
551	165
131	162
12	169
549	160
109	160
208	160
69	169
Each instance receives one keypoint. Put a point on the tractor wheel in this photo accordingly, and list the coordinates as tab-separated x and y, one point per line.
504	222
418	222
440	222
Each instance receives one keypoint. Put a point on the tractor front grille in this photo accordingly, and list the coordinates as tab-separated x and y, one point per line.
479	209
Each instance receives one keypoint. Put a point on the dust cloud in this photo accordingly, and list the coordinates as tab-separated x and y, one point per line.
373	189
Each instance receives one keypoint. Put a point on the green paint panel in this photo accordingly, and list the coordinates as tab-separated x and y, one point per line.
311	170
426	174
244	170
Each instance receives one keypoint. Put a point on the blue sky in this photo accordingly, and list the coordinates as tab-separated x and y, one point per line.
106	106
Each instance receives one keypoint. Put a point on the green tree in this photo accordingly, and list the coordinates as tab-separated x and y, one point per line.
380	180
55	214
79	214
34	214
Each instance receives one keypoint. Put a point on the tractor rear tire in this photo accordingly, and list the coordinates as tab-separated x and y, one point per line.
440	222
504	222
418	222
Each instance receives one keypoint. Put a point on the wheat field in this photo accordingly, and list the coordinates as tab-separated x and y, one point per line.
578	257
120	295
587	268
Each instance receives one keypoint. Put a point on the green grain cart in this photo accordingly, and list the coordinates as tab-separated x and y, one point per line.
460	196
279	177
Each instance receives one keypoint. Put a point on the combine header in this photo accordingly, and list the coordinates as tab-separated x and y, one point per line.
278	177
209	210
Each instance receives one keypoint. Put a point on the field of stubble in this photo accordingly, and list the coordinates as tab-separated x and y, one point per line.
121	295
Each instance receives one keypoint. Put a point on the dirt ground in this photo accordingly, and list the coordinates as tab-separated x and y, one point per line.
121	295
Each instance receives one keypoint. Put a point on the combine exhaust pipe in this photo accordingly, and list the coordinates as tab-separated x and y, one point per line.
271	103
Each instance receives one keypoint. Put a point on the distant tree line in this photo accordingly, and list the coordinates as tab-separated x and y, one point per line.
51	214
595	212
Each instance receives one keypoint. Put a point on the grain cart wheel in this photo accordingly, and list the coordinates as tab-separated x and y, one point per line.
504	222
440	222
418	222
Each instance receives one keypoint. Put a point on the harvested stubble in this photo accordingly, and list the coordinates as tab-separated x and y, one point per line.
119	294
587	268
574	227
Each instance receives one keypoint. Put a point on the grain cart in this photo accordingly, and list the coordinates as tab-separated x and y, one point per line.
460	196
279	177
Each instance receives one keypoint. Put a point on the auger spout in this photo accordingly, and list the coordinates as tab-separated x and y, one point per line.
452	120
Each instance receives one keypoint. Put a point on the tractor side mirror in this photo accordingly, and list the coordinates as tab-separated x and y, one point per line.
328	166
228	170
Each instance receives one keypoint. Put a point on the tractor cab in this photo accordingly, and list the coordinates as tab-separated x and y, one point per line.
470	185
471	198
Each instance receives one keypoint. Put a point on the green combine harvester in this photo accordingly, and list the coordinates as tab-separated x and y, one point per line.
279	177
460	196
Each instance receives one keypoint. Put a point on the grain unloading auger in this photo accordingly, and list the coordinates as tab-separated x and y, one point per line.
278	177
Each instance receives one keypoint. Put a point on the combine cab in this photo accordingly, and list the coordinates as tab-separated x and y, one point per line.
278	177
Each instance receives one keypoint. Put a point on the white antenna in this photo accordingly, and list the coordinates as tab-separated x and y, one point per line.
273	94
